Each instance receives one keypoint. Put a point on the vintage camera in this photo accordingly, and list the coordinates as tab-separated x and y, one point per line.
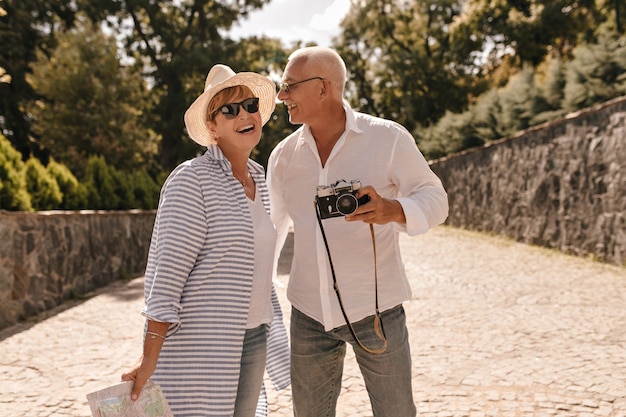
339	199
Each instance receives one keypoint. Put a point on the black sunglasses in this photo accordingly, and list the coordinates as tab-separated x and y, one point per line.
231	110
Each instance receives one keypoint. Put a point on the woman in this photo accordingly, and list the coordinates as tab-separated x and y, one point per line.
212	312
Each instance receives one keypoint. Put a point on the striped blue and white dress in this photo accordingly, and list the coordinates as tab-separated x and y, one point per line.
199	279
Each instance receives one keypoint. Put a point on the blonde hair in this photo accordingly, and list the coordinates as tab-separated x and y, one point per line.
225	96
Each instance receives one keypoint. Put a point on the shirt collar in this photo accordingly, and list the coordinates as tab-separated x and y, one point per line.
351	124
214	152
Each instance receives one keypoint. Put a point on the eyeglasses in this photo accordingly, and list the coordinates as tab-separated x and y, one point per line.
231	110
287	86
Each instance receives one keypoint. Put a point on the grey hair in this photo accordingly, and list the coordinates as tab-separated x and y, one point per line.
328	63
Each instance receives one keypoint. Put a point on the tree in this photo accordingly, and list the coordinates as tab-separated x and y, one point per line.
534	95
550	76
400	62
175	42
26	26
597	73
527	29
90	104
520	101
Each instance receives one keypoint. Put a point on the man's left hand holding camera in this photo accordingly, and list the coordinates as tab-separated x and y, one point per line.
378	210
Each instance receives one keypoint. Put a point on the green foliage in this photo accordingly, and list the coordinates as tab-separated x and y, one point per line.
123	190
26	26
42	187
102	184
597	73
420	62
550	79
145	191
527	29
457	73
532	96
31	186
453	133
90	104
519	101
174	42
13	193
487	120
112	189
400	64
74	193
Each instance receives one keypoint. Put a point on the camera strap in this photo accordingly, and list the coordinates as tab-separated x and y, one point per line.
378	322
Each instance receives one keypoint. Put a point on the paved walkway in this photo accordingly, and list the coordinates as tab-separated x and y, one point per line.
497	329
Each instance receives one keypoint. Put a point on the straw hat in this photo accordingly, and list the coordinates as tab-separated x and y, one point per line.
219	78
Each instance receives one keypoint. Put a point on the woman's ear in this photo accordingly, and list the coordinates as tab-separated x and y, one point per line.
211	127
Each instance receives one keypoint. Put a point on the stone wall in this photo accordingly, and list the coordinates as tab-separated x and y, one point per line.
560	185
49	257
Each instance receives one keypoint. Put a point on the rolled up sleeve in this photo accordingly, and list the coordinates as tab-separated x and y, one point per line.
420	191
178	236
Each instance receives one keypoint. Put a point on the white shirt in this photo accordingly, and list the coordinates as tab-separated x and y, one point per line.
264	243
377	152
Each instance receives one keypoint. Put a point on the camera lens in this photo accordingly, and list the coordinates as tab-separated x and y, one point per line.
347	204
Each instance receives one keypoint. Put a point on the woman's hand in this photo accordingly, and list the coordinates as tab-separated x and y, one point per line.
140	374
152	344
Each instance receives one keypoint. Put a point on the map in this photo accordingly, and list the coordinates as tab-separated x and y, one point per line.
114	401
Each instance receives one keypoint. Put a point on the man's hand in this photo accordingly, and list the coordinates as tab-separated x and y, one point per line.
378	210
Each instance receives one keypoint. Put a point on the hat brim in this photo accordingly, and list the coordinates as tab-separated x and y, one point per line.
195	116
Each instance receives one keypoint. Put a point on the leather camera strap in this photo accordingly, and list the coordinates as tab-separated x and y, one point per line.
378	322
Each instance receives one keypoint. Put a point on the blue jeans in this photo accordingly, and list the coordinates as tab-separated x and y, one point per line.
317	365
252	371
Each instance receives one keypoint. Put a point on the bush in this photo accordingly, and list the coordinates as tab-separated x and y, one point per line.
596	74
110	189
74	193
145	190
100	185
30	185
42	187
453	133
123	190
13	193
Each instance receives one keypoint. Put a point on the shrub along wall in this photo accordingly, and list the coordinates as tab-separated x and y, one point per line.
560	185
49	257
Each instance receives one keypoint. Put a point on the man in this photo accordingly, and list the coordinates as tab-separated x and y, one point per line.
336	143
